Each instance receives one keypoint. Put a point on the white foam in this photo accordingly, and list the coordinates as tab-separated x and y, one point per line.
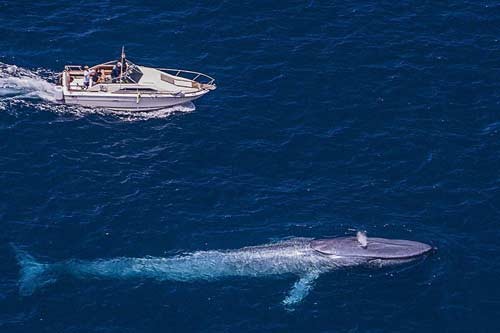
21	83
78	111
146	115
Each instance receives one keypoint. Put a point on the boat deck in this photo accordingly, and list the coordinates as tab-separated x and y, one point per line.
138	79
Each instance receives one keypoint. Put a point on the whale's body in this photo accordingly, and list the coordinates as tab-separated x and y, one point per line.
303	257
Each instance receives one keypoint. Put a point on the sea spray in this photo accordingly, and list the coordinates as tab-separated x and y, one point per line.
21	83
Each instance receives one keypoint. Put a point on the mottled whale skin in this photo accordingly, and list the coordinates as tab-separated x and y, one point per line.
305	258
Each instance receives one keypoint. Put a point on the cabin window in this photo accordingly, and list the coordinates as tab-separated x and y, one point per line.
167	78
132	90
140	89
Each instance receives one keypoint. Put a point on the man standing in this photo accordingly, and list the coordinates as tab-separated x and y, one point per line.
86	77
93	77
116	72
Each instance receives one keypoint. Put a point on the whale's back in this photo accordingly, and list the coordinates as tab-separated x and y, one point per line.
376	248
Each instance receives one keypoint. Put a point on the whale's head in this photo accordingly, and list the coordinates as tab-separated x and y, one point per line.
376	250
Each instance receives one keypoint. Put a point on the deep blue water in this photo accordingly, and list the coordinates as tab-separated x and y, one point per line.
329	117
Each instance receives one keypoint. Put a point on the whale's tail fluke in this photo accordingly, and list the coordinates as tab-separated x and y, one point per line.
33	274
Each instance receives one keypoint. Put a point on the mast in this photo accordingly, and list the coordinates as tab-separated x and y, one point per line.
123	62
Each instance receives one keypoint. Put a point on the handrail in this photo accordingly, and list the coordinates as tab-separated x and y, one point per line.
178	73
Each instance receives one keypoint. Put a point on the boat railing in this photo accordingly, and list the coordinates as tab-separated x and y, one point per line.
189	75
73	68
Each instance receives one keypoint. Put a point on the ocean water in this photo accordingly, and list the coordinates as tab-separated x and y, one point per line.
329	117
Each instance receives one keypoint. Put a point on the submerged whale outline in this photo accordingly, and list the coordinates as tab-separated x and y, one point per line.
306	258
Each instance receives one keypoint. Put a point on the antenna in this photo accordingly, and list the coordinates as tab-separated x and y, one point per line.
122	61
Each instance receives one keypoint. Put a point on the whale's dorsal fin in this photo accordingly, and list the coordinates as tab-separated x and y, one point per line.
362	239
300	289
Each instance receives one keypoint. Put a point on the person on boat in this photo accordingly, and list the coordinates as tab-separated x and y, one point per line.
115	73
86	77
95	76
102	76
92	77
124	65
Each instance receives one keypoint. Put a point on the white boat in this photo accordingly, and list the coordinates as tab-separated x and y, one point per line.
134	88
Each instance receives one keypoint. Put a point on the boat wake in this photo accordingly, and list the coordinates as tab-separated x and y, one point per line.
141	115
36	89
18	83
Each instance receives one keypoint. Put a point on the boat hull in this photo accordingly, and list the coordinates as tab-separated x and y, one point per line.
127	103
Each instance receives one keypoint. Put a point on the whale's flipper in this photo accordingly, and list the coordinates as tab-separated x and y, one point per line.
300	289
33	273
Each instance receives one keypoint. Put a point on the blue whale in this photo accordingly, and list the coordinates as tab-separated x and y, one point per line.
305	258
